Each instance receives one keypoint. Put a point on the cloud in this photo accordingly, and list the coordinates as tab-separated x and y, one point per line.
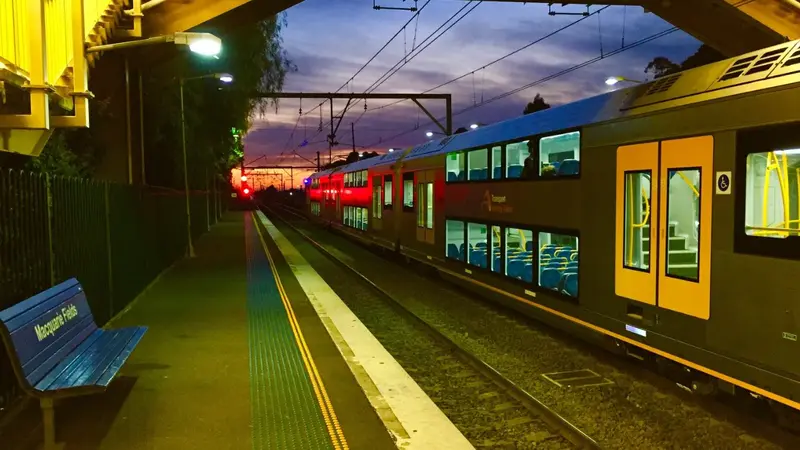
330	41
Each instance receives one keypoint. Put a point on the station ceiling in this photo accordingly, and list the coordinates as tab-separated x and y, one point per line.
732	27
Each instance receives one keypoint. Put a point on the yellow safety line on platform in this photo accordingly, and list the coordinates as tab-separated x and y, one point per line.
331	421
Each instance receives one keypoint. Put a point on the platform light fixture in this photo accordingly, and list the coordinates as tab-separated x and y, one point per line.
473	126
429	134
226	77
391	150
205	44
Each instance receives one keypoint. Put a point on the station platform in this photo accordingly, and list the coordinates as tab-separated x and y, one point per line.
248	347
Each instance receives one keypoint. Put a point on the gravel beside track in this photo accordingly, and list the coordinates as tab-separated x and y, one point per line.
637	410
487	415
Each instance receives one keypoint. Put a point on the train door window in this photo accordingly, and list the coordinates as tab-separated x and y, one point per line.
519	254
455	166
496	244
408	191
477	245
497	163
683	211
560	155
347	216
516	155
558	263
421	201
364	218
478	165
429	205
387	192
454	236
636	239
377	198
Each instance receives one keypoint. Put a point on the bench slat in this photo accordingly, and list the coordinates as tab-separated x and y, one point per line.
94	362
40	365
94	368
70	362
48	333
32	302
35	311
116	365
81	363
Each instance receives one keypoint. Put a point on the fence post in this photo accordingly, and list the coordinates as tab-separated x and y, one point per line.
208	204
216	209
107	210
49	193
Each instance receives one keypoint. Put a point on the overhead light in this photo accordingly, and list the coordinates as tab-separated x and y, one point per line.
473	126
205	44
225	77
789	151
429	134
612	81
391	150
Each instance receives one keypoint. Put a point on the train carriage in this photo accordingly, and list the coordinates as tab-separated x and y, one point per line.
664	217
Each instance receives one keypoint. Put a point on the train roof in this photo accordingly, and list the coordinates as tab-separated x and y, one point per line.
687	87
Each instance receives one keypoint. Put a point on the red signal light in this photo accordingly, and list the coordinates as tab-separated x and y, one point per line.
246	191
244	178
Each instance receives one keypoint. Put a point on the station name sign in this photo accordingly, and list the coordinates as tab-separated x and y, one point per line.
50	327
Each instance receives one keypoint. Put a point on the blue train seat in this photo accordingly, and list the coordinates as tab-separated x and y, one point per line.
515	268
562	254
480	245
498	265
549	251
550	278
452	251
529	246
514	171
570	280
527	273
498	173
569	167
453	176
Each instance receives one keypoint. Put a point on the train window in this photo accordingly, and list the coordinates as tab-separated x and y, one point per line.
315	208
772	178
560	155
454	236
377	198
497	163
421	201
455	166
516	156
408	191
519	254
477	245
478	165
683	212
364	178
347	215
496	245
387	192
636	245
558	263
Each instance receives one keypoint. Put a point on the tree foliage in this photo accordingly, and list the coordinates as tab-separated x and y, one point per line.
538	104
661	66
216	115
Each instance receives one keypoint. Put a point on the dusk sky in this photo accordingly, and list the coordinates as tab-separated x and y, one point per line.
329	40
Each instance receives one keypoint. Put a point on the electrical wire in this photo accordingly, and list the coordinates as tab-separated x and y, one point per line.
545	79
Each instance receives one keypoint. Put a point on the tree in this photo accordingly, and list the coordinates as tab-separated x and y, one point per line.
538	104
661	66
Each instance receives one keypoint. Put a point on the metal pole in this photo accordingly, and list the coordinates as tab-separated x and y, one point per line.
330	138
186	179
318	162
128	133
141	125
208	203
449	108
291	177
353	134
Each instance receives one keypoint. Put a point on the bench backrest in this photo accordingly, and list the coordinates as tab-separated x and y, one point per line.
40	331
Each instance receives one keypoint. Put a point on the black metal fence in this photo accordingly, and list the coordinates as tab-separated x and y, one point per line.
115	239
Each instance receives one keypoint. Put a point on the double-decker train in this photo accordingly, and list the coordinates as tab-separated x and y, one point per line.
663	218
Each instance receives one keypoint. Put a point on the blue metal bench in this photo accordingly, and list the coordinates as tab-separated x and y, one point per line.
58	351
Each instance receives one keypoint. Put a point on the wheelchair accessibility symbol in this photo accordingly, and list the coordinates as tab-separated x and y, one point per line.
724	183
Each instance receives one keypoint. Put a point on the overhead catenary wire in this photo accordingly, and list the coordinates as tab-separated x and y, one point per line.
545	79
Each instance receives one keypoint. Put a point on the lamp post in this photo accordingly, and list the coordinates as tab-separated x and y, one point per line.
614	80
222	77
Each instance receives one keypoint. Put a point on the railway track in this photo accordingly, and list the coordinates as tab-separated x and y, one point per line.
489	409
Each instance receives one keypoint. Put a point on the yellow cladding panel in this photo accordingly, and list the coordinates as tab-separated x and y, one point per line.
14	36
